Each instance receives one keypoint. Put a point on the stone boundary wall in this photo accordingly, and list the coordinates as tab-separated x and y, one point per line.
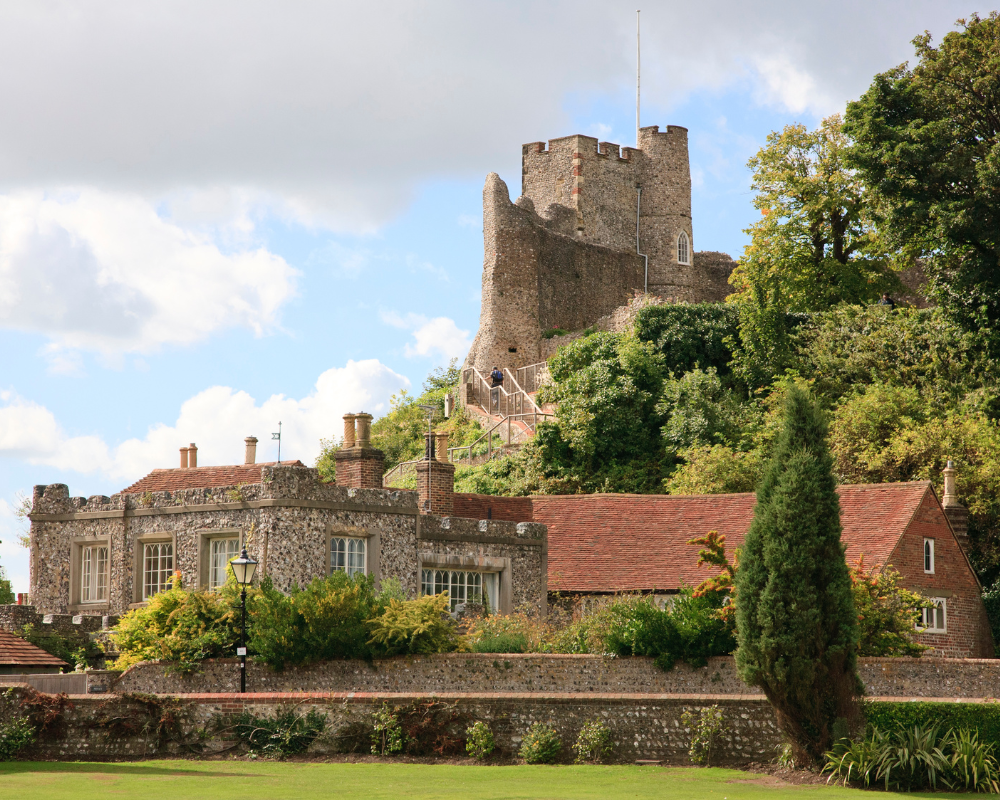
532	673
14	617
643	727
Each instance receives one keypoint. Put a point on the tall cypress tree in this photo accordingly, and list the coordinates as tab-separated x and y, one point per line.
795	618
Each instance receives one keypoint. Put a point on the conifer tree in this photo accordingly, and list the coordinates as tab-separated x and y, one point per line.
795	617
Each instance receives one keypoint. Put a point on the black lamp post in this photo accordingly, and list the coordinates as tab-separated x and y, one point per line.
244	568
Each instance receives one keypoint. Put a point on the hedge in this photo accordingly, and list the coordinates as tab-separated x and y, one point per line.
981	717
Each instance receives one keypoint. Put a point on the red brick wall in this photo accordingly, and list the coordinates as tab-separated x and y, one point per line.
360	468
968	632
441	490
477	506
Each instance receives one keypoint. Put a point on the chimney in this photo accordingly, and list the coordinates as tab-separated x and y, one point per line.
192	455
436	486
359	465
251	455
184	458
958	515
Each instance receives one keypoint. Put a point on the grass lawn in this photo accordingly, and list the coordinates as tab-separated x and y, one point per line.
224	780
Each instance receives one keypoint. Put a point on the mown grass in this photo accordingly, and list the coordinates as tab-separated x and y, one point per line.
193	780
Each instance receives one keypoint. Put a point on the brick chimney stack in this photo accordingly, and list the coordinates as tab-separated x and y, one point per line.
192	455
958	515
359	465
436	477
251	454
184	458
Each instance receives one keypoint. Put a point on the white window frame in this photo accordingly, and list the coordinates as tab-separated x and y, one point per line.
348	554
928	556
684	240
463	585
214	568
166	564
930	617
89	554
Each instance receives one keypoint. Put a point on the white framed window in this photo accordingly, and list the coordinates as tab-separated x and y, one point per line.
929	556
935	620
463	586
683	248
221	551
157	567
348	555
94	573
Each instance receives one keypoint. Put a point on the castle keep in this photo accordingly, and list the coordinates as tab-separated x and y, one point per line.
595	223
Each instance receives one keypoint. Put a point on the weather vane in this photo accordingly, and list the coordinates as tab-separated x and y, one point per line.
278	437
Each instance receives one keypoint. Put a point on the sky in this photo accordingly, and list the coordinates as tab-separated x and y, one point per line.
215	216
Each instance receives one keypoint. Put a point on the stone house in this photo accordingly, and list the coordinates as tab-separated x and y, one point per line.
104	555
604	544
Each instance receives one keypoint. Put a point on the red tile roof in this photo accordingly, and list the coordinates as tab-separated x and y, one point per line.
611	543
16	652
172	480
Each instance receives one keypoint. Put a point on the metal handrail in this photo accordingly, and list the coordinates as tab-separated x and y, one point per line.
535	415
399	468
529	376
527	396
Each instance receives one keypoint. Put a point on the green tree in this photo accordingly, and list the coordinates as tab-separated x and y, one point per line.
888	614
927	142
795	617
815	245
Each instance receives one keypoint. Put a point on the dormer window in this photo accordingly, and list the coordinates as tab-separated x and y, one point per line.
683	249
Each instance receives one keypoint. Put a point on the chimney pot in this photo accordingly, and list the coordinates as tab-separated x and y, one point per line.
441	446
192	455
364	430
349	430
251	453
184	458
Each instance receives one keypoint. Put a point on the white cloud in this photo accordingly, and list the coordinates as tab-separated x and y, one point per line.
217	419
332	113
103	271
439	336
13	557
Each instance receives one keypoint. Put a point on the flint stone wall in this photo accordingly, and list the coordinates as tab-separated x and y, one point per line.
578	674
642	727
285	521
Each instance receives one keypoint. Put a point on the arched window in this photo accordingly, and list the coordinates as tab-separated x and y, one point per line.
683	249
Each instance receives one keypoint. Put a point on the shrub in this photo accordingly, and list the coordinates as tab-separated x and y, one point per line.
480	741
500	643
287	733
74	648
16	736
328	619
593	743
916	757
706	727
980	718
181	627
888	614
416	626
689	630
387	733
548	334
509	633
540	745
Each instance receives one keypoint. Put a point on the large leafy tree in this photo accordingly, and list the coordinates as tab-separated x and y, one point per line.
814	246
927	142
795	616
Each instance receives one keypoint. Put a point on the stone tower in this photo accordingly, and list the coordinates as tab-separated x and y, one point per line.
565	253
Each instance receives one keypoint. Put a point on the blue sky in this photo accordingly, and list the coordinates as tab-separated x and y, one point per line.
216	216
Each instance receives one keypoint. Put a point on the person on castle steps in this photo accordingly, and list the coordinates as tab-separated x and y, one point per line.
496	381
887	301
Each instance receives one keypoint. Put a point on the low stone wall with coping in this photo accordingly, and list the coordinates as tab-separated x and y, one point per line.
534	673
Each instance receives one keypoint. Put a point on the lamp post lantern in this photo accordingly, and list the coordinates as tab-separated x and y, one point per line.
243	568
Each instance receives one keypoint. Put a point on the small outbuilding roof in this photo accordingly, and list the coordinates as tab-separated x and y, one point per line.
172	480
618	542
16	652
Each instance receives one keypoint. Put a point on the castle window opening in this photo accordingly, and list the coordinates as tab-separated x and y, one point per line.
94	574
348	555
683	249
157	567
